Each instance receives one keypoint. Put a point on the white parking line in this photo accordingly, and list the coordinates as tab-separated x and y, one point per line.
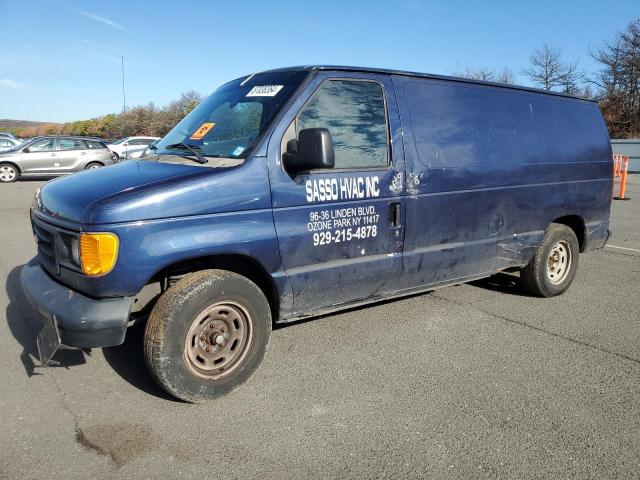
624	248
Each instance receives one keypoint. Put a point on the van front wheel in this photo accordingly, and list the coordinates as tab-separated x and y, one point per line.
554	264
207	334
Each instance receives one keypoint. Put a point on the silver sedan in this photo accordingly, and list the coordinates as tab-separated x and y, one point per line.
53	156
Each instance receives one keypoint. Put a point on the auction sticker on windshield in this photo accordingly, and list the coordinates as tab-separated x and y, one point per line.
202	131
264	90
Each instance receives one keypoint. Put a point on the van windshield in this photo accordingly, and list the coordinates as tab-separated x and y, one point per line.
229	123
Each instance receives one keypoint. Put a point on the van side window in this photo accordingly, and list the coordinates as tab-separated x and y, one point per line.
354	113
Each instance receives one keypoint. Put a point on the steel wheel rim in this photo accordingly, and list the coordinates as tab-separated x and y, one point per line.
559	262
218	340
7	173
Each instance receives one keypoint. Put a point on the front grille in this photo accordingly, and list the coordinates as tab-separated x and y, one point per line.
46	246
54	244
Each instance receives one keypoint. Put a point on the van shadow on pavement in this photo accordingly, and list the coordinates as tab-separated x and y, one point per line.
25	325
127	360
506	283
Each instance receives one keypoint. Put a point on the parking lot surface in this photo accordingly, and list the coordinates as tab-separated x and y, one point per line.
472	381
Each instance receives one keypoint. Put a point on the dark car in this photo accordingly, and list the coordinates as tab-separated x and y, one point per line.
293	193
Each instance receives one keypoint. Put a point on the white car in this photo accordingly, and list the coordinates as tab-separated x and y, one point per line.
143	153
129	146
7	143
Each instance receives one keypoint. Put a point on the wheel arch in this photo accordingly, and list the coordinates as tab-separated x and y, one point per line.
241	264
13	164
575	223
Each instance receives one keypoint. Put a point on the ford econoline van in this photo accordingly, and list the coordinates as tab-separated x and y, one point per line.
295	192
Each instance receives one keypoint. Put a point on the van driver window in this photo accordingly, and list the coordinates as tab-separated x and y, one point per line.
354	113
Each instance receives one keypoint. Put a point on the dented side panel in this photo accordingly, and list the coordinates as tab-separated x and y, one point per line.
491	169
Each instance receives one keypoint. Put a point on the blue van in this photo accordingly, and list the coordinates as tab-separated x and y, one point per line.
296	192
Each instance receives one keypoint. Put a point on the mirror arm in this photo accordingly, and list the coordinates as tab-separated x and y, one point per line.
290	156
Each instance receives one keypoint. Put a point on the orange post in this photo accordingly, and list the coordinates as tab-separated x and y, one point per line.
619	165
623	180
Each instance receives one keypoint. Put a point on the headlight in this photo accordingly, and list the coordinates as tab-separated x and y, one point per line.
37	201
98	252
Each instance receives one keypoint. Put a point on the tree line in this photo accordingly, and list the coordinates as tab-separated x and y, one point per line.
140	120
615	85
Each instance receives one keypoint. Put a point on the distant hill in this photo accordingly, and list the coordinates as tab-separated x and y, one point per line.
26	128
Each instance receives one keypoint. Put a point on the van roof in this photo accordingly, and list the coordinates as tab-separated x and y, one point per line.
389	71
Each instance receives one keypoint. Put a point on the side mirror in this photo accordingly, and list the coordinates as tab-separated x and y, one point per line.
313	150
26	150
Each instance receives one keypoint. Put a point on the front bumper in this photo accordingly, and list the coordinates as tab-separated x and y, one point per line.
82	321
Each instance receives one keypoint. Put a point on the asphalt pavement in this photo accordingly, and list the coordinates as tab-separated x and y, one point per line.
472	381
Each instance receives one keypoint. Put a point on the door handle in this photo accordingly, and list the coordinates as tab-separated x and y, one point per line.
52	154
83	153
394	214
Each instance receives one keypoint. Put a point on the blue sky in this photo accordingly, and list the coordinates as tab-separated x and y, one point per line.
60	61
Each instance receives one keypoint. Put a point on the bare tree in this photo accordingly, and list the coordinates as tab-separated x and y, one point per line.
505	76
484	73
547	69
587	92
618	82
479	73
571	78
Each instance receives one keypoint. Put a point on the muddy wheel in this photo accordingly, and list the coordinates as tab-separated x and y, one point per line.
554	263
207	334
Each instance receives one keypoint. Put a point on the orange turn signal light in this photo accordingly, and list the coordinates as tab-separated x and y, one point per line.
98	252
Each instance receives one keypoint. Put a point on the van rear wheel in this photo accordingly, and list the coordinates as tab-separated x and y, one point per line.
554	264
207	334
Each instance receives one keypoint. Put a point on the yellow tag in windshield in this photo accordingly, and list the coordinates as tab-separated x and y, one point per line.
202	131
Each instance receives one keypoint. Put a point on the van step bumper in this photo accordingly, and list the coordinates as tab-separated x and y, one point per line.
82	322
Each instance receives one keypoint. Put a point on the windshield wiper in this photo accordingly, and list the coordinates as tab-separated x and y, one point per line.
191	148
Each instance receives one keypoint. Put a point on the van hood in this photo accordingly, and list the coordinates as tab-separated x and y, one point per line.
70	197
143	190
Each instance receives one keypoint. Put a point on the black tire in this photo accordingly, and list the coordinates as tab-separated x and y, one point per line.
93	165
542	276
168	354
9	173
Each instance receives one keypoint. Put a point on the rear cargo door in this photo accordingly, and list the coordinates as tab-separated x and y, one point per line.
340	230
